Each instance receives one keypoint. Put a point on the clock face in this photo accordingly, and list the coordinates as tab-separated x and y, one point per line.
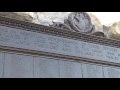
80	22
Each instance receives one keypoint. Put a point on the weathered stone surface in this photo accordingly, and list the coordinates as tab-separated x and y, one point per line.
18	66
27	40
80	21
46	68
76	21
111	72
1	65
61	26
73	21
98	32
92	71
47	18
42	54
18	15
70	69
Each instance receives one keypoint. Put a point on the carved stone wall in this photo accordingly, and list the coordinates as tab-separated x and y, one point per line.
29	50
82	22
72	21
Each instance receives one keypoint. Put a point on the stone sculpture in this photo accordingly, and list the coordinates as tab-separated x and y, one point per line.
60	25
81	22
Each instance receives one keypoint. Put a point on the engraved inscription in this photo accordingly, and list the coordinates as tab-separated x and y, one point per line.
4	35
19	38
45	68
70	69
1	64
111	72
53	43
40	41
92	71
18	66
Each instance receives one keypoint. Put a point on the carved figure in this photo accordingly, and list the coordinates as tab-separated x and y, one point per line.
82	22
75	21
60	25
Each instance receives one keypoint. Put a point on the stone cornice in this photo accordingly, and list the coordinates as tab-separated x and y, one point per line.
58	32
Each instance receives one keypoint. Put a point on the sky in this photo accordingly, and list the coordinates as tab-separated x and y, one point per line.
107	17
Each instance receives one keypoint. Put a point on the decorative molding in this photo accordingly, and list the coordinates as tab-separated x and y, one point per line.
57	32
35	53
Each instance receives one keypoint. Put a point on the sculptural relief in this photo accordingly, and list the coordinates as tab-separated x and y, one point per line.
81	22
61	25
78	22
49	52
